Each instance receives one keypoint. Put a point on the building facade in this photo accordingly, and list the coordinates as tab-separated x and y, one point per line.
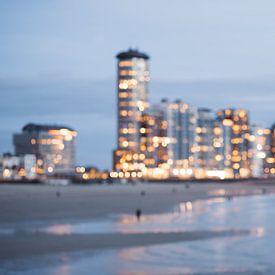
132	106
259	150
179	137
270	159
203	150
13	168
53	146
234	124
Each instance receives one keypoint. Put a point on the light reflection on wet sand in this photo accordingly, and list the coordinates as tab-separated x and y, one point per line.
59	229
214	214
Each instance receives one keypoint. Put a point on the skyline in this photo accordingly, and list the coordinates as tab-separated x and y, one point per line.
77	114
73	61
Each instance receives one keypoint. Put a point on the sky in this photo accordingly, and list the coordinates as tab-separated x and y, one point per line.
58	62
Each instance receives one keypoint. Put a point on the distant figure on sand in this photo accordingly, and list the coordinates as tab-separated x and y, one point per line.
229	198
57	194
138	214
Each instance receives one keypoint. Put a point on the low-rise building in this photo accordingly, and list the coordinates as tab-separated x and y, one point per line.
53	146
15	168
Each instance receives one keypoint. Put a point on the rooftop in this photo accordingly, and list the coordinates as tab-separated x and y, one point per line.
206	110
132	53
32	127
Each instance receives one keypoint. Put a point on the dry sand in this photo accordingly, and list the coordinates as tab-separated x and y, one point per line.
41	202
49	204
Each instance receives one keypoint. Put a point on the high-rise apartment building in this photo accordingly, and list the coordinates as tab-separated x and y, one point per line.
132	106
160	136
259	150
53	146
203	150
270	159
236	134
180	123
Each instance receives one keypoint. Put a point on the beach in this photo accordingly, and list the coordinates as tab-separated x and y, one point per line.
61	207
41	221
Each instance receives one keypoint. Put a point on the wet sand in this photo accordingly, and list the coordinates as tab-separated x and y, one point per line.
41	244
55	204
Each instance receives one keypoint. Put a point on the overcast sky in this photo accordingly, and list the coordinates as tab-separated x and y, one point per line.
58	61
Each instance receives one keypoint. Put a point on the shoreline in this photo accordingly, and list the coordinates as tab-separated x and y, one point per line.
166	181
44	244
